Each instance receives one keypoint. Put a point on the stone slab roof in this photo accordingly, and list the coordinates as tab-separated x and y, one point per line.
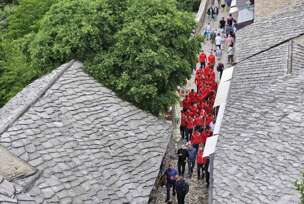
261	151
269	32
259	71
88	145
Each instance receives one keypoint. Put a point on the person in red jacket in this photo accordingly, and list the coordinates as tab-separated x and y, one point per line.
186	102
192	96
202	59
209	119
196	140
197	123
211	59
200	163
190	126
204	136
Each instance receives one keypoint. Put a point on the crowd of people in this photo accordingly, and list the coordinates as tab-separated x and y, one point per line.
197	114
222	38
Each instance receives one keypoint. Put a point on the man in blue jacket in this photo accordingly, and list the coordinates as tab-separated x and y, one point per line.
191	159
171	174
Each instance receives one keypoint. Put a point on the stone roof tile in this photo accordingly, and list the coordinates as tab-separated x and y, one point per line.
90	146
269	32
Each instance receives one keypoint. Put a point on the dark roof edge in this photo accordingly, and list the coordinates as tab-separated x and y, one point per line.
5	123
271	47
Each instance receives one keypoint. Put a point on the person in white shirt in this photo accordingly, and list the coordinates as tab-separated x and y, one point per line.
218	41
230	53
207	31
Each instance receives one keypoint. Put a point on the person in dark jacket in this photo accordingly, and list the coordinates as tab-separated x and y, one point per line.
182	188
206	169
171	174
200	164
222	25
181	163
220	69
191	159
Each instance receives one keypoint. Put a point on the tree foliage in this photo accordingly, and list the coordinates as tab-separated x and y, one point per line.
188	5
140	49
300	187
26	17
72	29
151	56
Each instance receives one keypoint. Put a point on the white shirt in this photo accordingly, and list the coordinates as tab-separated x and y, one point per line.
218	40
208	28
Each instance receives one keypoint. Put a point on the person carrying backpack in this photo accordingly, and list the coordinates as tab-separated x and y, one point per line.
171	174
182	189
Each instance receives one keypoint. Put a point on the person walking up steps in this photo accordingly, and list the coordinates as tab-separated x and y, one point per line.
182	189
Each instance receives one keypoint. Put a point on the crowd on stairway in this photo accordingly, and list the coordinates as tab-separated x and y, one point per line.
197	114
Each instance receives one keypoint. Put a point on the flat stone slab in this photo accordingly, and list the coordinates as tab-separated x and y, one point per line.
12	167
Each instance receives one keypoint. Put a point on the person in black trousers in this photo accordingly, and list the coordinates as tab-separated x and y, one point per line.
181	163
182	188
220	68
206	169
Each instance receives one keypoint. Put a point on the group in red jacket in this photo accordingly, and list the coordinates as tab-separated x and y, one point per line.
197	111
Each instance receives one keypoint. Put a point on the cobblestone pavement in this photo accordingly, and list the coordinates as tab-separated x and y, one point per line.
198	192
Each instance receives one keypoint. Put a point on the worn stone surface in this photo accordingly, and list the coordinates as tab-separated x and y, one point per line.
269	32
92	146
9	194
10	166
260	153
259	71
268	8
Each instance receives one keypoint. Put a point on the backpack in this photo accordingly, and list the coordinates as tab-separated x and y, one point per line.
162	180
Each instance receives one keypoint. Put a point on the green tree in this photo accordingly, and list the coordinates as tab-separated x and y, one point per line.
152	55
300	187
26	17
15	72
73	29
188	5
